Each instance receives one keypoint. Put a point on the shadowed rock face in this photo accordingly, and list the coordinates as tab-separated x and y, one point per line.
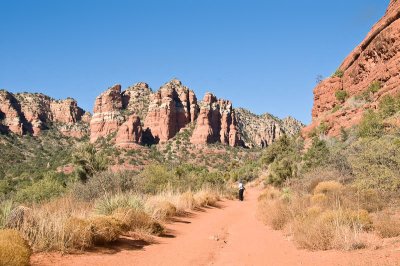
216	123
171	108
32	112
376	59
130	133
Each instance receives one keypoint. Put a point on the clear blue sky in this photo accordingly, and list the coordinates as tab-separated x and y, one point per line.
263	55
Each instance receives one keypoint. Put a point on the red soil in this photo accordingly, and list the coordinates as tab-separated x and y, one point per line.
229	235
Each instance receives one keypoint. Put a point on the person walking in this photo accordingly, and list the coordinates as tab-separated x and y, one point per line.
241	190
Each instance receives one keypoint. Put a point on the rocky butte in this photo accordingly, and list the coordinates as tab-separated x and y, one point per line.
140	116
371	71
30	113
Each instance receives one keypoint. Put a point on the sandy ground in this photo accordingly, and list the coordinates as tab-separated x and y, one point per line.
228	235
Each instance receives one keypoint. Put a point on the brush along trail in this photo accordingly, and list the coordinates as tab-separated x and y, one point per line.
228	235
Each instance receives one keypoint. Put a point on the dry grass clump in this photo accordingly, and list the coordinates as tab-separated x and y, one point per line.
387	226
78	234
134	220
275	213
328	187
160	209
14	250
108	204
206	197
105	229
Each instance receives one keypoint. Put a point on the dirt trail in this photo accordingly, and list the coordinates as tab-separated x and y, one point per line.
229	235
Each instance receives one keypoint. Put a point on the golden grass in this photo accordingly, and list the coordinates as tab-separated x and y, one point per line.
275	214
14	250
206	197
105	229
160	208
328	187
386	226
134	220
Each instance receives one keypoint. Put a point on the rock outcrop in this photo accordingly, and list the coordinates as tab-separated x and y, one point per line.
171	108
130	133
107	113
216	123
263	130
31	113
366	75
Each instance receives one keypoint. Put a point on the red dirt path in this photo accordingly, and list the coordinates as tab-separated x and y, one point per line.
230	235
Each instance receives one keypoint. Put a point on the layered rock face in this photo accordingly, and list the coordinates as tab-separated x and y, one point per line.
107	113
216	123
171	108
263	130
130	133
32	112
374	61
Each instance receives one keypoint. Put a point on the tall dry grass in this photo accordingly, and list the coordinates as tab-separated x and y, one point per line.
329	218
68	224
14	250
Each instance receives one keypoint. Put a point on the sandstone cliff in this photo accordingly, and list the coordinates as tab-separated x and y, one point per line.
216	123
263	130
171	108
31	113
368	73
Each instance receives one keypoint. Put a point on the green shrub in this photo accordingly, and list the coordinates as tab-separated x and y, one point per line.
375	86
42	190
338	73
371	125
89	161
376	163
389	105
281	170
317	154
341	95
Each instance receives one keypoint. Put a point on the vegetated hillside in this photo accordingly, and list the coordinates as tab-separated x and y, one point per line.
365	77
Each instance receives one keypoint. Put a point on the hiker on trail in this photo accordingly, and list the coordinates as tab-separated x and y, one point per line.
241	190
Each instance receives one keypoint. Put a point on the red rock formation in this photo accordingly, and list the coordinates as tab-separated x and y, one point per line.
216	123
32	112
10	117
107	113
374	60
171	109
130	133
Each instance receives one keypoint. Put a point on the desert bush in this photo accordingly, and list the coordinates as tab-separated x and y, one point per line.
108	204
389	105
375	86
341	95
316	155
14	250
376	163
281	170
371	125
42	190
